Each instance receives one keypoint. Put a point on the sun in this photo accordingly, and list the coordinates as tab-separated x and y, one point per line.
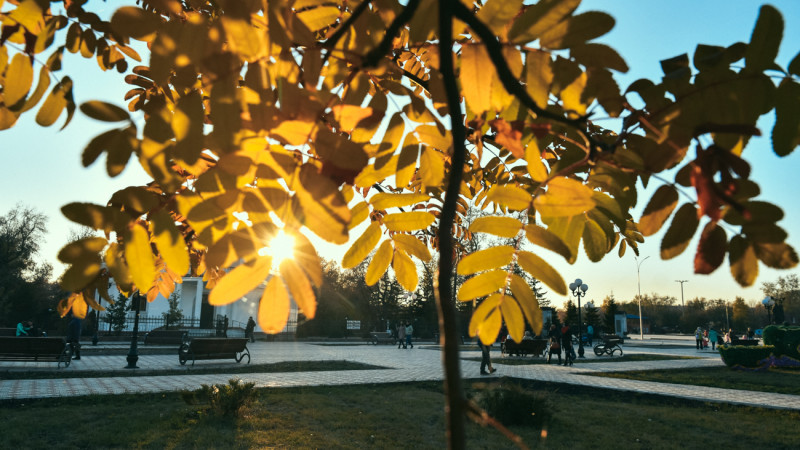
280	247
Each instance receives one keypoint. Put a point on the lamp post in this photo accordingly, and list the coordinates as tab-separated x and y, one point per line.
639	283
681	282
579	289
133	352
768	303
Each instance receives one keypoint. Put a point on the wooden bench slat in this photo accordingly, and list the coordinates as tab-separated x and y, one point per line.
214	348
36	349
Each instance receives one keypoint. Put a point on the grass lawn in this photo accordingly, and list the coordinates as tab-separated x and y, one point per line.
388	416
528	360
284	366
782	381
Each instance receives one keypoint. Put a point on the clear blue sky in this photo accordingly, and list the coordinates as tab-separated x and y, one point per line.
43	165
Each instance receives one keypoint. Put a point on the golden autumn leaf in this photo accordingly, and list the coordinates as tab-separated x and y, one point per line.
411	245
542	271
512	316
139	257
362	247
299	287
486	259
408	221
527	301
386	201
482	285
476	80
274	307
239	281
509	196
169	241
405	270
487	319
505	227
380	262
564	197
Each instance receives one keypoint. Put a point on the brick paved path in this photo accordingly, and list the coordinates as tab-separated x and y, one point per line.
423	363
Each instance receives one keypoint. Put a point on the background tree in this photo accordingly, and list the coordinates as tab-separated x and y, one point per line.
610	310
571	314
174	314
592	317
741	316
291	110
786	292
117	314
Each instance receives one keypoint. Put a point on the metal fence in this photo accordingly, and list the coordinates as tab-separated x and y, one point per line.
192	326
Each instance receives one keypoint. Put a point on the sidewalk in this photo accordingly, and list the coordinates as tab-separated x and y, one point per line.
423	363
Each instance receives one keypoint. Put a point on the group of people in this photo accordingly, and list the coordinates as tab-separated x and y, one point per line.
704	337
404	333
561	340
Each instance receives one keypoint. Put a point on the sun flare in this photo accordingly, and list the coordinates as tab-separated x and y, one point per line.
280	247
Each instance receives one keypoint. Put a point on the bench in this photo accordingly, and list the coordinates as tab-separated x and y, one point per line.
36	349
165	337
535	347
747	342
214	348
382	337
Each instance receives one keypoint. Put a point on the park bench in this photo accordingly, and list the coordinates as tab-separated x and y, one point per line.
36	349
165	337
214	348
535	347
609	346
382	337
748	342
8	331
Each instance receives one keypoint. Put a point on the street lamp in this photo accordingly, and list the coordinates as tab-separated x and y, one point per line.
579	289
768	303
639	283
133	351
681	282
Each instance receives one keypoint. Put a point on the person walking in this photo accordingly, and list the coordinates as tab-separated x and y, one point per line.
590	334
712	337
249	329
74	335
225	326
409	333
401	335
698	337
486	358
555	344
24	329
566	345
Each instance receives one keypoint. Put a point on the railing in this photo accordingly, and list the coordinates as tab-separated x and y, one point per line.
192	326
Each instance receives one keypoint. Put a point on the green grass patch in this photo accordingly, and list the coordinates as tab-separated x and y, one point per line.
526	361
284	366
782	381
408	415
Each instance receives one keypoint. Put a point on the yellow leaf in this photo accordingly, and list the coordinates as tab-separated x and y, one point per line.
386	201
243	38
743	261
527	302
512	315
293	132
544	238
318	18
187	125
380	262
487	319
239	281
273	309
487	259
542	271
118	267
539	76
362	247
79	306
140	259
240	244
431	167
405	270
18	79
482	285
564	197
55	103
105	112
339	151
81	273
506	227
536	167
169	242
135	22
571	95
80	249
358	214
348	116
476	77
406	164
324	210
509	196
306	257
412	246
595	241
299	287
408	221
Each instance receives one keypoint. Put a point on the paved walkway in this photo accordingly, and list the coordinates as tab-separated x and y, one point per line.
423	363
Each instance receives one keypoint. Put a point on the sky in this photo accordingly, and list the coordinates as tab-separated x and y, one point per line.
43	168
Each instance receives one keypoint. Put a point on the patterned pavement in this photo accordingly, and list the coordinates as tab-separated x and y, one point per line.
423	363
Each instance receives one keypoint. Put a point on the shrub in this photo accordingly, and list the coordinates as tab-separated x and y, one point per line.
223	399
511	404
743	355
785	339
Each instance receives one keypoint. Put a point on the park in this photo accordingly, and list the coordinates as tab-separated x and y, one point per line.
290	183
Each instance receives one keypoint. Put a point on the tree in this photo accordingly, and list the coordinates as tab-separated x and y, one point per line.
26	292
592	317
257	110
786	293
570	313
117	314
610	310
174	314
740	315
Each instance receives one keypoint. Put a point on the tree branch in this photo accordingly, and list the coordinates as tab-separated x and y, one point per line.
371	59
334	39
454	397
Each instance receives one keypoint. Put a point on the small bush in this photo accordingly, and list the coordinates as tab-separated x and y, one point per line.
745	356
223	399
785	339
511	404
